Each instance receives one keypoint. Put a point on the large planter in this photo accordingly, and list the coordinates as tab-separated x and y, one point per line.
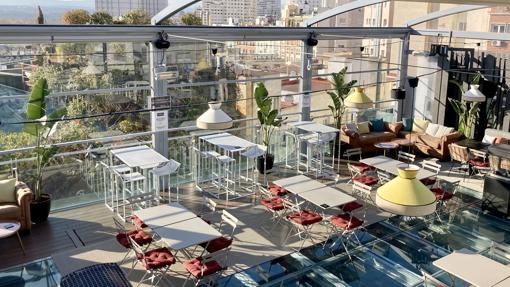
40	209
263	168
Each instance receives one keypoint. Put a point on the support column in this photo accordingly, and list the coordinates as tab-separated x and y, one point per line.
159	119
404	61
305	85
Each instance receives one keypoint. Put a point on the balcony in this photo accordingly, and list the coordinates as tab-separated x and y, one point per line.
113	90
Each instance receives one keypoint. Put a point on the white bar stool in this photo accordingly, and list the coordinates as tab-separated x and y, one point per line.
164	173
253	153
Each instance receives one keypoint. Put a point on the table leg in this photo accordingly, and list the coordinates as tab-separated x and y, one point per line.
20	243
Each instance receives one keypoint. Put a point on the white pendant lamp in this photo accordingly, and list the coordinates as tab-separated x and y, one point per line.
405	195
214	118
474	94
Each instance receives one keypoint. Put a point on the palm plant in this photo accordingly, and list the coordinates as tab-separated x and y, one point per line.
268	117
468	114
341	90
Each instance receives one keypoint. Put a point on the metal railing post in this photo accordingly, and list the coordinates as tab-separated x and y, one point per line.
159	119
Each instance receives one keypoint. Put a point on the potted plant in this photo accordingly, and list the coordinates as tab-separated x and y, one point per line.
467	113
42	127
269	120
338	95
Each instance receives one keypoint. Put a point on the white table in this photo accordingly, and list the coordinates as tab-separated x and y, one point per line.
187	233
326	197
10	228
139	156
312	127
163	215
227	142
298	184
390	165
474	268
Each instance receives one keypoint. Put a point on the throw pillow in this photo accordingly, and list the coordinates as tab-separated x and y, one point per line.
500	140
488	139
407	124
393	127
352	127
363	128
377	125
432	129
7	193
443	131
419	126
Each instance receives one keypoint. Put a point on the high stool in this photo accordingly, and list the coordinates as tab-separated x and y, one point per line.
132	184
164	173
254	153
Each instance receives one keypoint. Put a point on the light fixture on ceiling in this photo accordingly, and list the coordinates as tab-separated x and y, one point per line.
214	118
474	94
405	195
358	100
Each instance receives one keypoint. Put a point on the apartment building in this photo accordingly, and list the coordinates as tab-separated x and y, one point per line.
233	12
270	8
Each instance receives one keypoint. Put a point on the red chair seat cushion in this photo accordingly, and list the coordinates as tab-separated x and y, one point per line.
157	258
441	194
478	162
274	203
217	244
428	181
365	179
305	217
346	221
138	222
361	167
199	269
277	190
139	236
351	206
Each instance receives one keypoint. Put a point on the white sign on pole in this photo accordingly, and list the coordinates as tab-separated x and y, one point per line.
161	121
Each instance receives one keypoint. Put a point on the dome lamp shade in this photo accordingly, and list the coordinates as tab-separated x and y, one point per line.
474	94
405	195
214	118
358	100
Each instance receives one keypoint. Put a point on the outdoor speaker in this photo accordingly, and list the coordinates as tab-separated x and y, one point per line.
161	42
312	40
413	82
398	94
214	51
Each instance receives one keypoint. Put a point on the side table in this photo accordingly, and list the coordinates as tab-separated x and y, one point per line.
9	228
386	146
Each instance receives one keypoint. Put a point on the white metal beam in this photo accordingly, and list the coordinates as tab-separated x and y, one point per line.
489	36
443	13
174	7
350	6
471	2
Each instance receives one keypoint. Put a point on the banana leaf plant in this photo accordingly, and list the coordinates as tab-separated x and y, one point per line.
341	90
468	113
268	117
41	126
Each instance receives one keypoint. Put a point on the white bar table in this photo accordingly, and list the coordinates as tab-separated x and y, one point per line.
139	156
187	233
227	142
390	165
326	197
298	184
163	215
474	268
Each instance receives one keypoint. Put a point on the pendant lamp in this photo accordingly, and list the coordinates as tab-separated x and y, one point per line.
474	94
214	118
405	195
358	100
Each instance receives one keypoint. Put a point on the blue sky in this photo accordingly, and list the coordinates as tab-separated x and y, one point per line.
49	3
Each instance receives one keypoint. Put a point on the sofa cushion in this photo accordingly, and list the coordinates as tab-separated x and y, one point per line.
500	140
420	126
7	193
363	128
377	125
375	137
428	140
432	129
488	139
443	131
407	124
393	127
10	210
351	126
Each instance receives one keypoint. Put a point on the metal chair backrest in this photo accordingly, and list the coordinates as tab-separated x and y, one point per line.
352	170
208	205
290	206
384	177
167	168
139	250
431	166
478	154
352	152
229	219
364	189
458	153
406	157
119	226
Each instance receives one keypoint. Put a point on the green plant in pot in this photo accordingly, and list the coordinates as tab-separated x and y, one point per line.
42	127
341	90
269	120
467	111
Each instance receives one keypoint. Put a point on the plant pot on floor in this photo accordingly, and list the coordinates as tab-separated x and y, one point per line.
261	167
40	209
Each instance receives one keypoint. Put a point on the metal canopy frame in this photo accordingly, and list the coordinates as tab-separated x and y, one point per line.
350	6
488	36
174	7
443	13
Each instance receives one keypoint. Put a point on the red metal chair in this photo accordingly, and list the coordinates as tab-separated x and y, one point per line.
301	221
205	269
123	237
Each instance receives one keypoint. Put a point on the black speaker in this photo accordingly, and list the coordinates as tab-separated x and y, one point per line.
398	94
312	40
413	82
214	51
161	42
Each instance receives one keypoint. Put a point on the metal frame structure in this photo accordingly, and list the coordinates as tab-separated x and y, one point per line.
350	6
443	13
174	7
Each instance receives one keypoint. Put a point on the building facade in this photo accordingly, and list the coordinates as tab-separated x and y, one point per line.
230	12
118	8
271	8
499	21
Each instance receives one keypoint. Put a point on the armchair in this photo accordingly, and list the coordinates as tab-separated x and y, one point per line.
19	210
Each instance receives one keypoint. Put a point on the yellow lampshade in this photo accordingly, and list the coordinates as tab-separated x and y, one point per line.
406	195
358	100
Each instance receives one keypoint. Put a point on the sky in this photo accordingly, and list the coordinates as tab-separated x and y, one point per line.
49	3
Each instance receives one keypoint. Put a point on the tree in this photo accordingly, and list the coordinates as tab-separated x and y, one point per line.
40	16
76	16
191	19
101	18
137	17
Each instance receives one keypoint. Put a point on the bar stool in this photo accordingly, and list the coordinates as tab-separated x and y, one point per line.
202	159
131	183
316	146
226	173
164	172
254	153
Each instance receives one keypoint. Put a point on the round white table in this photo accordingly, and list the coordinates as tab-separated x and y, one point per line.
386	146
9	228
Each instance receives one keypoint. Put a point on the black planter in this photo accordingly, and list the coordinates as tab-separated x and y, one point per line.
40	209
261	167
398	94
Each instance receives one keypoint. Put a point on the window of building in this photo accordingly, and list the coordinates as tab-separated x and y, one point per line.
373	22
385	22
498	28
462	26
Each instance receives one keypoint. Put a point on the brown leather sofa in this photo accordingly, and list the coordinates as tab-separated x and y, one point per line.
433	146
366	141
20	210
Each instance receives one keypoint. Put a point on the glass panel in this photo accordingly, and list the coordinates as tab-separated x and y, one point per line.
40	273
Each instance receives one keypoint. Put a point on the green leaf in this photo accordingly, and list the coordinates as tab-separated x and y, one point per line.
271	117
36	106
261	117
